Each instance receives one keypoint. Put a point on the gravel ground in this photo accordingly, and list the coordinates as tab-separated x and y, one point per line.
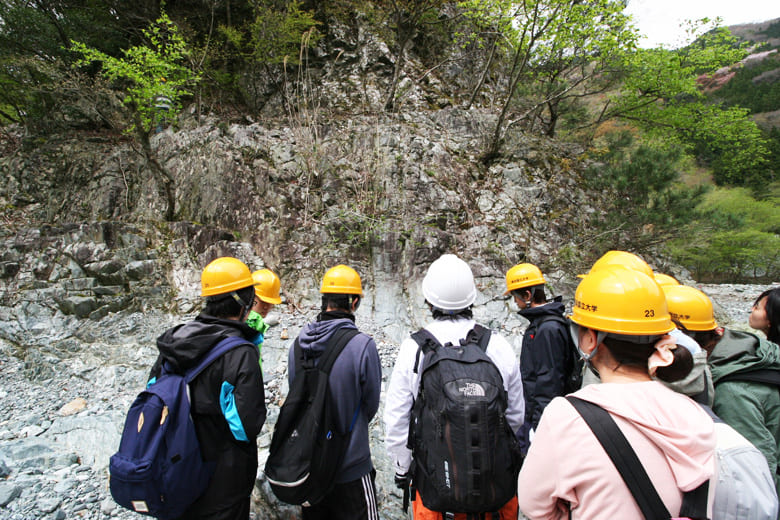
54	446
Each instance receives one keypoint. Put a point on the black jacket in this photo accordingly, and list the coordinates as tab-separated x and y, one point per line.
546	359
235	378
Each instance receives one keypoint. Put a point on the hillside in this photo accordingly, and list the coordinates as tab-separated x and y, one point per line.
766	32
754	83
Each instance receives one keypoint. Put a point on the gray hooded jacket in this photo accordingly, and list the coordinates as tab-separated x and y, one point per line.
355	385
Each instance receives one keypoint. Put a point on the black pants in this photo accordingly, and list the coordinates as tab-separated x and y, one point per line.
237	511
354	500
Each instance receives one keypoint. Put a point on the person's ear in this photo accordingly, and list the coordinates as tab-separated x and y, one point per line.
588	340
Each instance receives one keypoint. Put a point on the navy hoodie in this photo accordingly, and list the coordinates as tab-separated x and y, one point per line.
355	384
546	358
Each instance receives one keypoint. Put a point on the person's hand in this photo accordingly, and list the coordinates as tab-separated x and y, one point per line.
401	480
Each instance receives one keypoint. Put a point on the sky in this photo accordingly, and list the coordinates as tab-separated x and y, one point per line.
660	20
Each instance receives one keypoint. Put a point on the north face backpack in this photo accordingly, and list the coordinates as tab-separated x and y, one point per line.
159	470
574	365
465	457
306	448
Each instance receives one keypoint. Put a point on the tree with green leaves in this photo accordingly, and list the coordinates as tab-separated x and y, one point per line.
565	47
154	78
642	201
576	58
34	50
273	41
660	94
407	18
733	237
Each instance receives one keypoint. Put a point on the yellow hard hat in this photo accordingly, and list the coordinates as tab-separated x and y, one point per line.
523	275
267	286
341	279
664	279
621	301
691	307
622	258
225	275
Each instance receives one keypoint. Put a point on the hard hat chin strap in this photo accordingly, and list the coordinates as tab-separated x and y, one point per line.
245	308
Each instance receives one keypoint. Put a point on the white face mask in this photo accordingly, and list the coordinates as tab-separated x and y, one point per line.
574	330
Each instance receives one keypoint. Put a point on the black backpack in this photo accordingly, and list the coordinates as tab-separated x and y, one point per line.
306	448
465	457
574	365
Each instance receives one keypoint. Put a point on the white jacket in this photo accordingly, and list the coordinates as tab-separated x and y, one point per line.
404	384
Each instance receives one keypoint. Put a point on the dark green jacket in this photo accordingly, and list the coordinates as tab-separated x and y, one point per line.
746	373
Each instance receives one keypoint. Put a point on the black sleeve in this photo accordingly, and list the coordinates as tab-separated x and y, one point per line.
249	393
156	369
547	359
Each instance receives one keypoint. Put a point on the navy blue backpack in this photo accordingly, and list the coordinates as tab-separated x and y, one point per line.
159	470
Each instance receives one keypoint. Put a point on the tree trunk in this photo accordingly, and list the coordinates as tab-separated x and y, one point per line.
399	65
514	79
554	114
483	76
162	176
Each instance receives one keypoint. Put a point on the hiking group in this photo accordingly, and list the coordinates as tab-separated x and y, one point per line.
636	405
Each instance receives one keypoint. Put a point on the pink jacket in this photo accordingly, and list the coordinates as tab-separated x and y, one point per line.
672	436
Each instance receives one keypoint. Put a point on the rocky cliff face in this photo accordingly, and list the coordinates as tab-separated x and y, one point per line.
90	275
387	195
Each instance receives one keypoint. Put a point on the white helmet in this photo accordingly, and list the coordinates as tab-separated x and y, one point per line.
449	285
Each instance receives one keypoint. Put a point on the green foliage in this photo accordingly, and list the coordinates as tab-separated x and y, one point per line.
660	93
34	41
488	18
773	31
149	74
642	200
734	237
277	32
736	208
760	96
563	49
252	57
655	80
773	144
729	142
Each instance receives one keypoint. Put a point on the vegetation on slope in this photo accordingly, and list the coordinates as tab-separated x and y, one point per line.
64	64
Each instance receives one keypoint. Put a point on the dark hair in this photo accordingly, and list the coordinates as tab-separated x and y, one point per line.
707	339
342	302
772	312
225	306
704	338
439	314
636	355
537	293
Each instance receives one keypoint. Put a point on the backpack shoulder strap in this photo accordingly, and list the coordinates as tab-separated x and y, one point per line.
298	356
767	376
426	342
336	344
551	317
216	351
623	457
479	335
